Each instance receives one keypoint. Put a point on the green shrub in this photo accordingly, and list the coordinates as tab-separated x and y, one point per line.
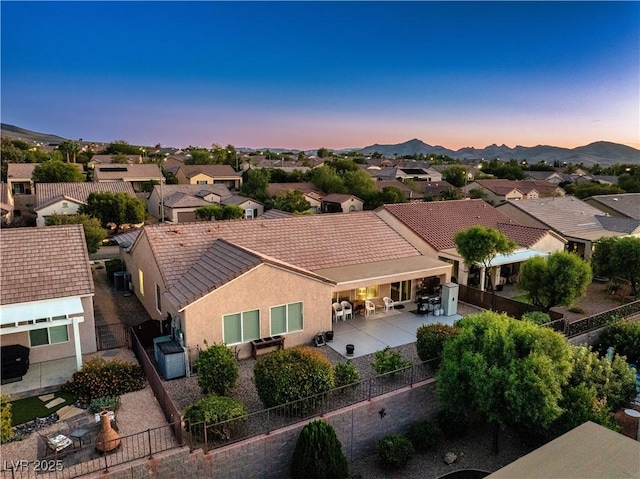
389	360
217	369
6	432
624	337
287	375
430	340
394	451
318	454
346	374
99	378
424	435
111	266
536	317
213	410
107	403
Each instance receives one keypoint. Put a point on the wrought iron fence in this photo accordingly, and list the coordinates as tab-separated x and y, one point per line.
212	436
112	336
87	460
599	320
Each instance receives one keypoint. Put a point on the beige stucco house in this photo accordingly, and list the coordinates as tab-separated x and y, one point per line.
67	198
236	281
209	175
431	227
178	203
138	175
341	203
46	301
501	190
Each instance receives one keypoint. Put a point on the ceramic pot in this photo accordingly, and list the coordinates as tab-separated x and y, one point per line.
108	439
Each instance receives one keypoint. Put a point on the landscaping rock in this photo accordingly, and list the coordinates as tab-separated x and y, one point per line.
450	458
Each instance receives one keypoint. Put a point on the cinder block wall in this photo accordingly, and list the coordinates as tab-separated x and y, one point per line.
269	456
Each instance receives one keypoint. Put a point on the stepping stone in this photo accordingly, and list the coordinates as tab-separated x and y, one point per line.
46	397
54	403
67	412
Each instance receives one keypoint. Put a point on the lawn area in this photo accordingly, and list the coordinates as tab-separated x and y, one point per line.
27	409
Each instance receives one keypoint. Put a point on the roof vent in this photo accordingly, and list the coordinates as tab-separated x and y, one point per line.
615	199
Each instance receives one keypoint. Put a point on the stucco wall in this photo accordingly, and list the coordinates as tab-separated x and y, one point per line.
261	288
56	208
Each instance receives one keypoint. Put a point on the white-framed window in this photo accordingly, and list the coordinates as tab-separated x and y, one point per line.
65	204
248	213
48	335
141	281
286	318
201	182
241	327
158	298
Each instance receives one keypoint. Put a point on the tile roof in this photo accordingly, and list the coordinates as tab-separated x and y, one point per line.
178	199
273	213
127	172
309	242
220	263
438	222
43	263
48	192
627	204
20	170
194	190
109	159
502	186
209	170
567	215
237	200
620	225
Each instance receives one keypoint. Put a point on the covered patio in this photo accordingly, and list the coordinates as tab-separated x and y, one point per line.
373	333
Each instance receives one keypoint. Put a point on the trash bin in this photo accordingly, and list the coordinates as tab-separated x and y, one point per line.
350	349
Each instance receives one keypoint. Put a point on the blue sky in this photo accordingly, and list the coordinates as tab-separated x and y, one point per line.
335	74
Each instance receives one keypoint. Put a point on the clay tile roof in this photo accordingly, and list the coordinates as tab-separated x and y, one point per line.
127	172
20	170
48	192
523	235
307	242
339	198
438	222
43	263
220	263
273	213
274	188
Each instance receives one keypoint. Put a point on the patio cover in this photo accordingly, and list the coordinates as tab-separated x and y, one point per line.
13	314
515	257
379	272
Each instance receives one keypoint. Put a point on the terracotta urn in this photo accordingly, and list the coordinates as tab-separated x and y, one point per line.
108	439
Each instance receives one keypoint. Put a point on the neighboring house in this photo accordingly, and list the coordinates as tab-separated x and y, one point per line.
424	174
6	204
625	205
579	223
67	198
46	303
499	191
138	175
433	188
209	175
252	208
549	176
19	178
110	159
181	201
235	281
311	193
431	227
341	203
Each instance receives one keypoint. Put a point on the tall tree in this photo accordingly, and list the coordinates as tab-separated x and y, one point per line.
70	149
56	171
556	280
618	257
479	246
456	175
507	371
115	208
255	184
292	201
328	180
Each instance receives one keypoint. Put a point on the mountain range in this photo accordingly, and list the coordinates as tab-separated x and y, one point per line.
601	152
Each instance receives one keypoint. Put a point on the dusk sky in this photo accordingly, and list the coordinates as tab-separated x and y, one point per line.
333	74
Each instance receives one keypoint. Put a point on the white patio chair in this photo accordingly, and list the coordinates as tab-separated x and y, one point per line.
347	310
369	307
338	312
388	304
